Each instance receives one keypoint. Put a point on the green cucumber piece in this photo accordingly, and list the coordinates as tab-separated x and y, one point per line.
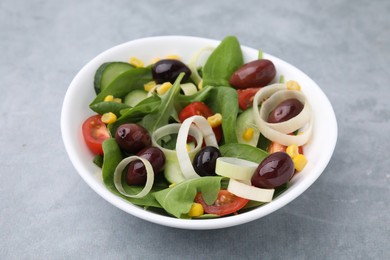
134	97
172	172
244	121
107	72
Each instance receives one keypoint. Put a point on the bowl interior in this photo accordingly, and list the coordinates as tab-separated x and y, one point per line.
80	93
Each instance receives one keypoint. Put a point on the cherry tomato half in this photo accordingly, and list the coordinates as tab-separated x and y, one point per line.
225	204
245	97
95	132
198	108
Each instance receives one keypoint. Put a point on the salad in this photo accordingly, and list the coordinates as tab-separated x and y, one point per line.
197	139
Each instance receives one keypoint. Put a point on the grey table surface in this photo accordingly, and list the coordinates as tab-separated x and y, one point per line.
48	212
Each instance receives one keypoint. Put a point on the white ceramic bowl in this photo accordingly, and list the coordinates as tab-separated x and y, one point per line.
80	93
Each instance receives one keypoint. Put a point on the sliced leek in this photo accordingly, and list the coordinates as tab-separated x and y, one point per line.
246	191
183	156
235	168
149	177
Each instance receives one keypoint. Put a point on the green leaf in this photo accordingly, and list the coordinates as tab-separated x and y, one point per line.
178	199
109	106
222	63
243	151
124	83
224	100
137	113
166	108
182	100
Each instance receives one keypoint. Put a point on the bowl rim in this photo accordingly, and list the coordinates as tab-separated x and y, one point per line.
203	224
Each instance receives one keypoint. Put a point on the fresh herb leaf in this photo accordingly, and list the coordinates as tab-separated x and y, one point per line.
224	100
243	151
222	63
178	199
166	108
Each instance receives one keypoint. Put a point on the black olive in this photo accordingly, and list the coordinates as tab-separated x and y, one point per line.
274	171
132	137
167	71
205	161
136	171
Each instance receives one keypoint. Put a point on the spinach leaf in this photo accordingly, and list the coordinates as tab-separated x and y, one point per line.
222	63
124	83
112	157
166	108
224	100
109	106
178	199
182	100
135	114
243	151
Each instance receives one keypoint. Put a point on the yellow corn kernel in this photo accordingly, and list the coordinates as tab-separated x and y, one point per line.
215	120
161	90
117	100
200	85
109	98
292	150
173	57
149	86
188	148
293	85
108	118
196	210
299	161
154	60
136	62
248	134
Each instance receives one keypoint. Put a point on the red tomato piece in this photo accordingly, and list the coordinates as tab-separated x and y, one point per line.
95	132
225	204
198	108
245	97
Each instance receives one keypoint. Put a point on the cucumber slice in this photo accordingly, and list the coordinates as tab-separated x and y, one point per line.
172	172
244	121
134	97
107	72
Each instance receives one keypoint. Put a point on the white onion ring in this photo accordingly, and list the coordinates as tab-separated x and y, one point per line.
149	177
279	132
249	192
235	168
181	149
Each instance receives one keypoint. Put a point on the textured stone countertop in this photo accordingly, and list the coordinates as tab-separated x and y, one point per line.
48	212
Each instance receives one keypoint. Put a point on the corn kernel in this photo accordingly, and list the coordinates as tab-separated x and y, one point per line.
149	86
200	85
136	62
293	85
215	120
117	100
196	210
188	148
248	134
108	118
173	57
109	98
292	150
161	90
299	161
